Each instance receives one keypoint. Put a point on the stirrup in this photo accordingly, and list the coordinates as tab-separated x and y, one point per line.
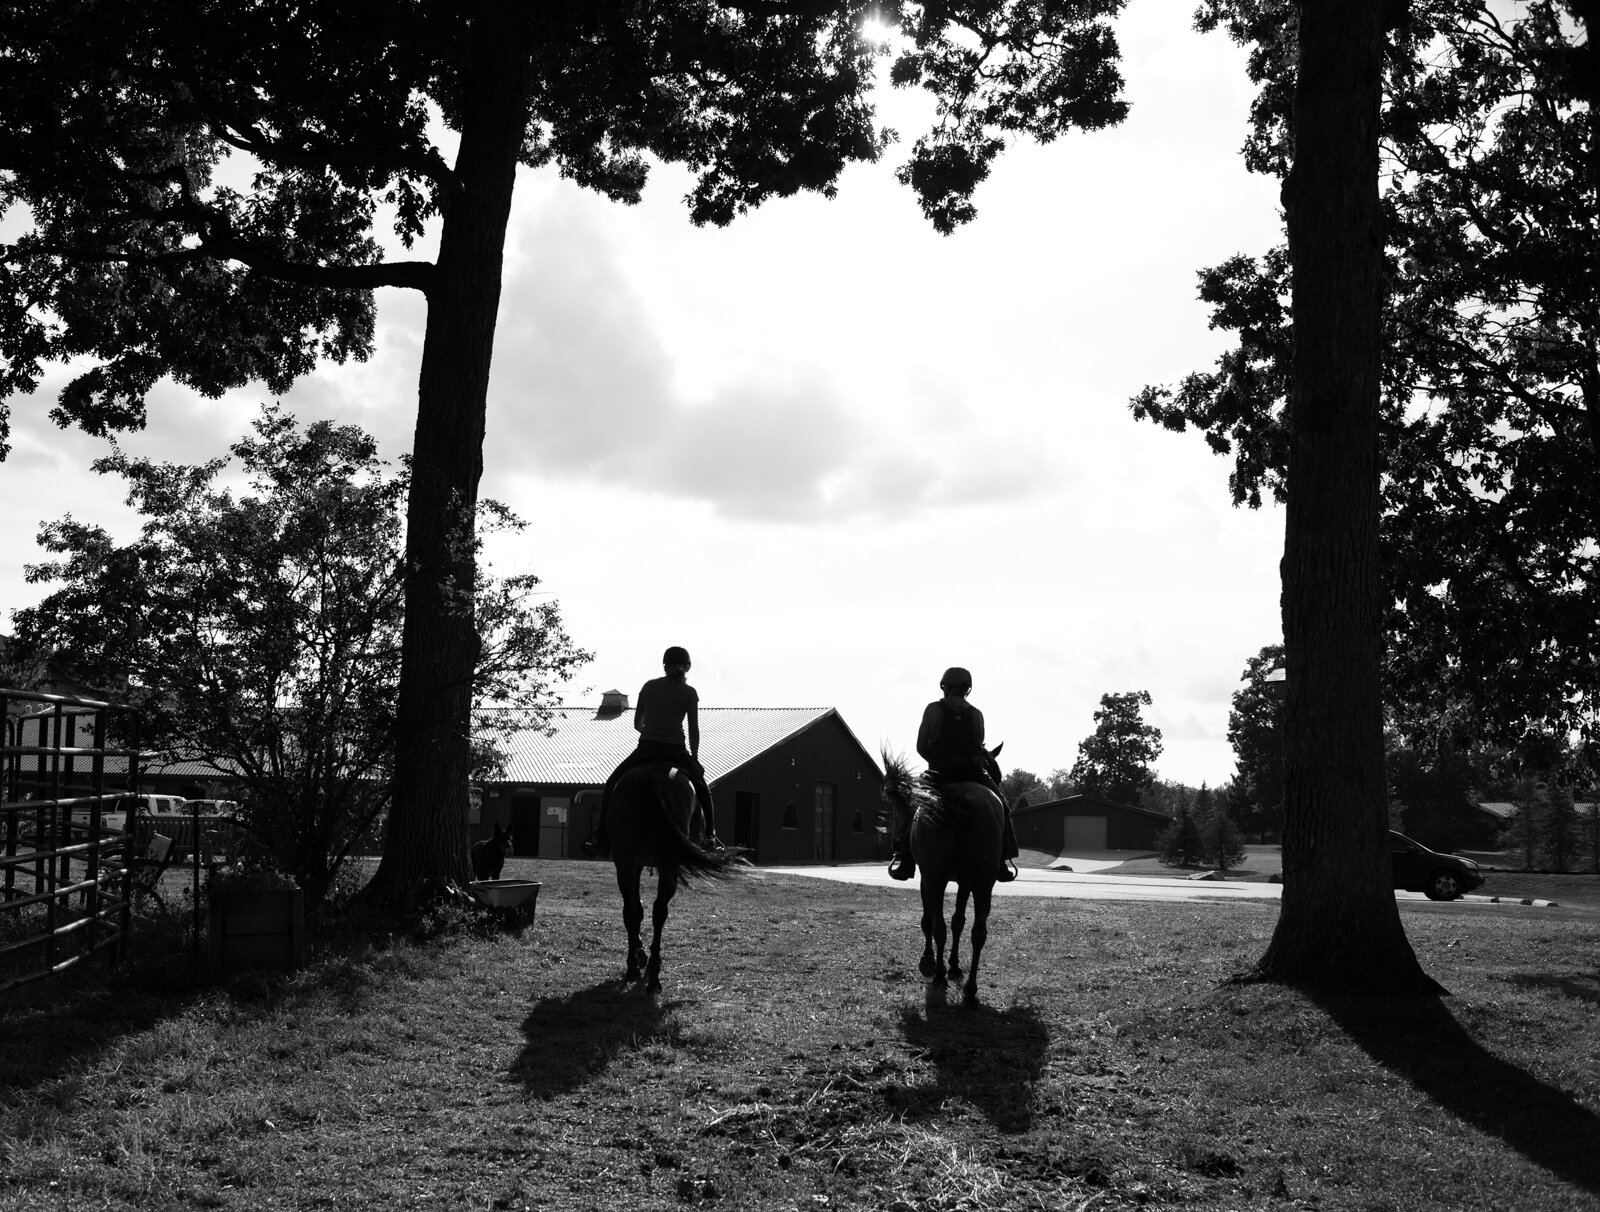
902	868
1008	872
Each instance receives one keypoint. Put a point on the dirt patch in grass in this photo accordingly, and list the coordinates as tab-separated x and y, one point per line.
795	1059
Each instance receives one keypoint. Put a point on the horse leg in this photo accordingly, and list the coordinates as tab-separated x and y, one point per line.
932	965
666	885
958	921
632	917
980	931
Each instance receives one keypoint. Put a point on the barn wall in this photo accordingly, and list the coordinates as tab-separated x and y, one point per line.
1043	828
787	774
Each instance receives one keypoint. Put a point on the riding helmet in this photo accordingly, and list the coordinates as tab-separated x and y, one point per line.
675	656
956	677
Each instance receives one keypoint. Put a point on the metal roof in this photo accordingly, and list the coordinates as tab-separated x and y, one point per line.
587	744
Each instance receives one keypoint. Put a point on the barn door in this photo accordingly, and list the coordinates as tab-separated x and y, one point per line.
1084	833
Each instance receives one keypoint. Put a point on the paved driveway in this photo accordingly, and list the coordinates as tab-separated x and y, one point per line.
1093	878
1103	884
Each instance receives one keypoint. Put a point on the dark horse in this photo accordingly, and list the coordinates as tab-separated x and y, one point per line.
649	820
956	835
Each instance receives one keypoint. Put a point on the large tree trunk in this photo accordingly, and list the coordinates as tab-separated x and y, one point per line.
1339	927
426	842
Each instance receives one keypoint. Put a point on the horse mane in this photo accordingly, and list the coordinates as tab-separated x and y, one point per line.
914	792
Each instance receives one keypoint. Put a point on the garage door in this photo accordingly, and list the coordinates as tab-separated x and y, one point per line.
1085	833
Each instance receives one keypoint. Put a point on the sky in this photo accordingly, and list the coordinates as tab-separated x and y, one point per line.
832	452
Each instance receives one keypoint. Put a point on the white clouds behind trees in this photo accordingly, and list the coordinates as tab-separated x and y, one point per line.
832	452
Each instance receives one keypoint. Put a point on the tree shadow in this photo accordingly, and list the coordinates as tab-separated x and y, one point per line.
1420	1040
573	1039
1584	988
989	1058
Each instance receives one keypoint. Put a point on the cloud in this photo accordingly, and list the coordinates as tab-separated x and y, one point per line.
585	388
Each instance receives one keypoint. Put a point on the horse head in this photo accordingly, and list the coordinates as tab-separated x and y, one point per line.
990	765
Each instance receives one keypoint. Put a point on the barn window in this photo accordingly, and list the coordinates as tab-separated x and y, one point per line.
791	818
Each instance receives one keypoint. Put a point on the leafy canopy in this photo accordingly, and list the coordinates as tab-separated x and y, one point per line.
200	184
1115	760
260	632
1491	388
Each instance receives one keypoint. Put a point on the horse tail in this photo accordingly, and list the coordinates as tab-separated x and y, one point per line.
675	850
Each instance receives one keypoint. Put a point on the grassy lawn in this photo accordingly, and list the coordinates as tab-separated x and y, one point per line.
1501	876
795	1060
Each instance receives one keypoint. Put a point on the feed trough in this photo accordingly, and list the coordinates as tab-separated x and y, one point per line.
506	894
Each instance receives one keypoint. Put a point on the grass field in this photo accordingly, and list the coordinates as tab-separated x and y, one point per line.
796	1060
1501	878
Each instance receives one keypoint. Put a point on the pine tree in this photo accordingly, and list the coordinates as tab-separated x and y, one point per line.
1180	842
1224	846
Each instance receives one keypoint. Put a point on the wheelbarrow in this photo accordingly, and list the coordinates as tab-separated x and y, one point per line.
515	899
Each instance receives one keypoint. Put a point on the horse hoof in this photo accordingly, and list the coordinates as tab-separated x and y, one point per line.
928	967
955	972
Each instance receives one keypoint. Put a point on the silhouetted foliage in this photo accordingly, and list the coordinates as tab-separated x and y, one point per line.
196	184
1115	760
260	633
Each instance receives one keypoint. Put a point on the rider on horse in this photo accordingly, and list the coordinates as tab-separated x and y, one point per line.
950	740
666	704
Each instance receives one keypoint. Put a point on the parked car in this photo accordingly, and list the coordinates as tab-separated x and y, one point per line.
114	813
1443	877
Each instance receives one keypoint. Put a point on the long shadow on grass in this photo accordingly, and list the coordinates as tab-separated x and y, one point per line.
1583	988
572	1039
1422	1041
991	1059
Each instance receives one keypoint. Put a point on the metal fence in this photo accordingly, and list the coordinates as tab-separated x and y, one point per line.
66	886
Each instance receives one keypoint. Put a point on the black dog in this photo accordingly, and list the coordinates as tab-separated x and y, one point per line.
489	855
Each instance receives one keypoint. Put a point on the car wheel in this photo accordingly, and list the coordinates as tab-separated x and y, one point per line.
1443	886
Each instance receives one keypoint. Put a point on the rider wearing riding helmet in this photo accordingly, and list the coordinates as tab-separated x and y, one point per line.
666	705
950	740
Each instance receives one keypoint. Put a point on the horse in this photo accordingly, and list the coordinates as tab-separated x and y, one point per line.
957	834
651	811
489	856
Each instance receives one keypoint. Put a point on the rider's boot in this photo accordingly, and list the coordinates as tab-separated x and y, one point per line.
1008	850
598	844
904	866
708	818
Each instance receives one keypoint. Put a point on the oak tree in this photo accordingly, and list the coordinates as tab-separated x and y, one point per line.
1115	760
201	185
1490	407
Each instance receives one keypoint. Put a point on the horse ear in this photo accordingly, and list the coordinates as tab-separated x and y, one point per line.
995	752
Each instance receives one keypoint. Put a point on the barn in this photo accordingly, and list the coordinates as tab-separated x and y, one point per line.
791	784
1087	822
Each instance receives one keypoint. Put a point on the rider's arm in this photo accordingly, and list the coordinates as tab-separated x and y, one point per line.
932	717
977	725
638	709
691	721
